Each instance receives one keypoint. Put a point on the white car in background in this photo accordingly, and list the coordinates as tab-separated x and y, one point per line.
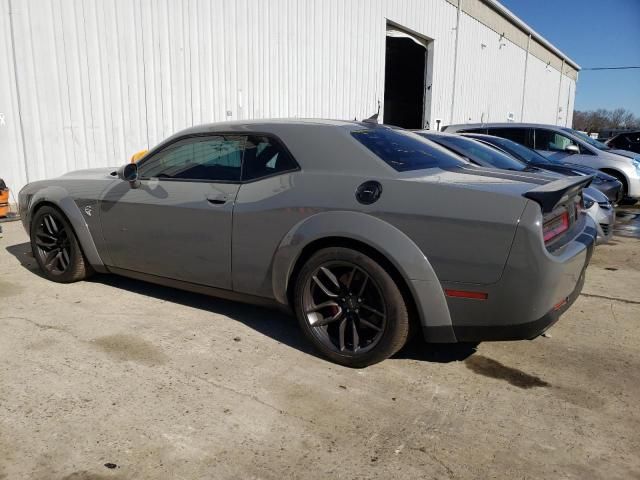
560	142
598	207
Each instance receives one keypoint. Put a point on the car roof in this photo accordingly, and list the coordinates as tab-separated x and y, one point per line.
240	125
435	133
459	126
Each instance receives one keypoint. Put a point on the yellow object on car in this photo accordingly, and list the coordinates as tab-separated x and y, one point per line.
138	155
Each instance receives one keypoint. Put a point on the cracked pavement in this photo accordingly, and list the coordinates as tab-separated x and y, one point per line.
158	383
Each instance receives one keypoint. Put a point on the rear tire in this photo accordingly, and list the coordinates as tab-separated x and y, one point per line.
56	248
350	308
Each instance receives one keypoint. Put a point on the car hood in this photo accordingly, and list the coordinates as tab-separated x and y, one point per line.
575	169
91	173
626	153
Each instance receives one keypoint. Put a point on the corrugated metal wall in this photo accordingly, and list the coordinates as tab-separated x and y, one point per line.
86	83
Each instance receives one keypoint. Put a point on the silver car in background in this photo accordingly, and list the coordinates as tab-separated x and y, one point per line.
562	142
359	229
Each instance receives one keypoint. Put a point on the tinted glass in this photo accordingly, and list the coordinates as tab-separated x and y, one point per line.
264	156
216	158
517	150
478	152
551	141
588	139
404	150
518	135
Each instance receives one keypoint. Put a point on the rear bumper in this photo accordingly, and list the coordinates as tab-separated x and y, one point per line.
535	289
520	331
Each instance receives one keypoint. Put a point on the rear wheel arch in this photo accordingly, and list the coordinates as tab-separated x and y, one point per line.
359	246
374	237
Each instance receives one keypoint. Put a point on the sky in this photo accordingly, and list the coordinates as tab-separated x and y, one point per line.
593	33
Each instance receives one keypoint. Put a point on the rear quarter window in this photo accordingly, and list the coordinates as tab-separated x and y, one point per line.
405	151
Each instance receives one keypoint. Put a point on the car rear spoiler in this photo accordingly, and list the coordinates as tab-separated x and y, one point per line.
553	193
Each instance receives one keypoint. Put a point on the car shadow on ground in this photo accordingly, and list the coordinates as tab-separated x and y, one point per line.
270	322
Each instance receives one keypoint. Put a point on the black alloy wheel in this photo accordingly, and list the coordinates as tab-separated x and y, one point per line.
350	307
55	246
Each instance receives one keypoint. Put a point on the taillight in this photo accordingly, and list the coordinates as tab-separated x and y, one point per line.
557	224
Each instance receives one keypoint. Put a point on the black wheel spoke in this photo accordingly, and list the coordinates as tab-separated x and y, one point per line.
50	257
342	328
45	241
50	224
350	279
368	324
331	277
64	259
363	286
355	336
322	286
372	310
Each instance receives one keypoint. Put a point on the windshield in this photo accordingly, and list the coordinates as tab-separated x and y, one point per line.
478	152
519	151
404	150
588	139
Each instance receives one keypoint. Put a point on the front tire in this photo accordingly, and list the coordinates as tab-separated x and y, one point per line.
350	308
56	248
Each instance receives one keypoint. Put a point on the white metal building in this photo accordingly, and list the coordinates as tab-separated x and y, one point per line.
86	83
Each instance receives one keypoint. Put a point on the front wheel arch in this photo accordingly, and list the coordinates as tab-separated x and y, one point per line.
620	176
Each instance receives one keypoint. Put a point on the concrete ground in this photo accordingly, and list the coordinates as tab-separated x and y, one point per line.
162	384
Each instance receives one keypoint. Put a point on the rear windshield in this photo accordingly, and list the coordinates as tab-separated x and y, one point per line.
405	151
518	151
479	153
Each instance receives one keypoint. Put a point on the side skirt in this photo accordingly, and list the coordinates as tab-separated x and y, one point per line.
202	289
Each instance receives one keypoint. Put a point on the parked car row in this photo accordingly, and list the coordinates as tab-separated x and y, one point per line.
567	145
365	232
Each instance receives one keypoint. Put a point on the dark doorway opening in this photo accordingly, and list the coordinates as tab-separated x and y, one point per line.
404	83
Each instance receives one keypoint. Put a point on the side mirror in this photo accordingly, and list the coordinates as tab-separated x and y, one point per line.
128	172
571	149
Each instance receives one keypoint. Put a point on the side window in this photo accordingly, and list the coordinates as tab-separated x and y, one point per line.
549	140
215	159
265	156
632	138
518	135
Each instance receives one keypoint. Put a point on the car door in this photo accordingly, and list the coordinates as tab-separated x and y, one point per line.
176	221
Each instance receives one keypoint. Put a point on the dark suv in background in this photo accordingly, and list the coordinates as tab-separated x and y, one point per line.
626	141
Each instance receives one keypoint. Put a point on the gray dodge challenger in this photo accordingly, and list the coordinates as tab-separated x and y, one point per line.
364	232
